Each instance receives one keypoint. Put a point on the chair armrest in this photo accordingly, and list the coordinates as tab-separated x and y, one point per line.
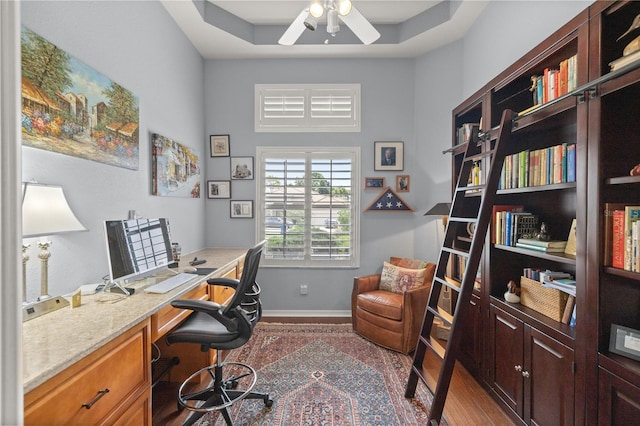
223	281
207	307
366	283
417	298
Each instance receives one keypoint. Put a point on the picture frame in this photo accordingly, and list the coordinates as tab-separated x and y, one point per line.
218	189
219	145
241	209
403	183
388	156
242	168
374	182
625	341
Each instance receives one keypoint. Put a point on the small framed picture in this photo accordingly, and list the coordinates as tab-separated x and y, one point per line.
402	183
218	189
241	209
219	145
242	168
625	341
374	182
388	156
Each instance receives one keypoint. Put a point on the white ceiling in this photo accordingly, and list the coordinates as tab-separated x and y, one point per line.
251	28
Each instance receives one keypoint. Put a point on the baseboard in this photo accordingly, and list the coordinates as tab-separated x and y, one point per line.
307	314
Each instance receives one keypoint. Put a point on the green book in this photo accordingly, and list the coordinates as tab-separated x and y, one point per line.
539	243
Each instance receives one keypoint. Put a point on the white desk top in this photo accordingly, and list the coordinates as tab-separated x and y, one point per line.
61	338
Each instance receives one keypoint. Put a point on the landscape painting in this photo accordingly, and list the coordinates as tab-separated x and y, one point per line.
70	108
175	168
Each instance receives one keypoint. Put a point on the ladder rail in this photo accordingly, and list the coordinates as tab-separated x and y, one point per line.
474	256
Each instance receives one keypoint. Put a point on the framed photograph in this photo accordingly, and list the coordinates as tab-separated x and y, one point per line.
625	341
388	156
374	182
219	145
242	168
402	183
218	189
241	209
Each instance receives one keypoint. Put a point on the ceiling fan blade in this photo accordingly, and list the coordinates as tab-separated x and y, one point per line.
295	30
360	26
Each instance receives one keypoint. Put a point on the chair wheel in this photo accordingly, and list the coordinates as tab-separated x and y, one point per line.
268	402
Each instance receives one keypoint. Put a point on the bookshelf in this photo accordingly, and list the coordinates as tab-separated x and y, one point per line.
597	115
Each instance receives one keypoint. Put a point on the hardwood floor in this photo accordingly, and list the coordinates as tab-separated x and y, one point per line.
467	403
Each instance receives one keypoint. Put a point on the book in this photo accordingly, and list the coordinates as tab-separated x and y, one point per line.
617	240
624	60
607	250
571	162
568	309
631	215
533	241
570	248
565	285
496	222
540	248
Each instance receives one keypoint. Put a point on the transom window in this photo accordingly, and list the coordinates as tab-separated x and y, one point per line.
308	206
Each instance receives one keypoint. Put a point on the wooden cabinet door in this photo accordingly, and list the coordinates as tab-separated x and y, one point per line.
507	358
548	380
471	344
618	400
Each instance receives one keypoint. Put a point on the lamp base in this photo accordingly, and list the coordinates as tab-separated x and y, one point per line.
31	310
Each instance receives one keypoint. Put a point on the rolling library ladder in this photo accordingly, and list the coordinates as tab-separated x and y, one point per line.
471	205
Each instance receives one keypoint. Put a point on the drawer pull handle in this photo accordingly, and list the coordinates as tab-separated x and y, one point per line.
101	393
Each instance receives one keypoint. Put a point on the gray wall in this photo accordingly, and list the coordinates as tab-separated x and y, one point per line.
139	46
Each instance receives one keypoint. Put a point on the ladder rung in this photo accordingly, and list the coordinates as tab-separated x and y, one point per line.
434	345
452	284
454	251
470	188
444	316
462	219
479	156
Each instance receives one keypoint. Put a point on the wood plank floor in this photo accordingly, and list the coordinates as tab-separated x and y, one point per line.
467	403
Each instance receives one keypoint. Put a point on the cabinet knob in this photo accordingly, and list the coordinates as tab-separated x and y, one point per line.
518	368
101	393
525	374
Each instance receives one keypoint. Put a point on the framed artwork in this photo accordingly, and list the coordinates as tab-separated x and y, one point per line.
242	168
402	183
241	209
175	168
625	341
219	145
219	189
71	108
374	183
388	156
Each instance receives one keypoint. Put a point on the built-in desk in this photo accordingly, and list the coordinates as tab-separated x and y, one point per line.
72	355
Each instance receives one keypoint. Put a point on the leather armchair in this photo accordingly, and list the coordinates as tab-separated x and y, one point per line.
392	320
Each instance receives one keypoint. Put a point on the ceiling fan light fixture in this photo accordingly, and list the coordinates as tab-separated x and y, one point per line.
311	22
316	9
333	26
344	7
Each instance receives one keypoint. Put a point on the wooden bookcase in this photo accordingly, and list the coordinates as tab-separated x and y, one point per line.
541	370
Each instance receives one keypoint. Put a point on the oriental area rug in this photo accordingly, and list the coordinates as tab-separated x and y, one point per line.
324	374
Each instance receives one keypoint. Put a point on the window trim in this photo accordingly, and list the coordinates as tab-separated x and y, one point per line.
306	122
354	153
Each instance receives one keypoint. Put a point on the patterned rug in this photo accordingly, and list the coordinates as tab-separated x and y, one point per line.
322	374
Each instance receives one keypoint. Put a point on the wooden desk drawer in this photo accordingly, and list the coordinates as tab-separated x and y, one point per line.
121	366
168	317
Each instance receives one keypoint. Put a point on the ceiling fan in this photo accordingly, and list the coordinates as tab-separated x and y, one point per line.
335	10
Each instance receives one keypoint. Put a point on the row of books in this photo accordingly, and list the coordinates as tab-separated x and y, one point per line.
546	166
562	281
511	223
622	236
554	82
467	132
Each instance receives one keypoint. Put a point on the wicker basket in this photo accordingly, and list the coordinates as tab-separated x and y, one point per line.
547	301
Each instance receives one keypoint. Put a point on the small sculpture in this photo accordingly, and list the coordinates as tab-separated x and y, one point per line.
511	295
543	235
635	171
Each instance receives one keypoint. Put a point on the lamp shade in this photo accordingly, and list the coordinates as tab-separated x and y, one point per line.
45	211
440	209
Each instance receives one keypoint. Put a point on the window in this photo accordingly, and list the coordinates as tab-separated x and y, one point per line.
308	206
307	108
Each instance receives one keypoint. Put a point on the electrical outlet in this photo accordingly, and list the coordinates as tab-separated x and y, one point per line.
304	289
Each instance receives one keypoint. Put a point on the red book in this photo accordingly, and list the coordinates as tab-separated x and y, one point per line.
617	240
609	208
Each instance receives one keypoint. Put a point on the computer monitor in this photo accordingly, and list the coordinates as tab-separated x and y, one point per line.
137	248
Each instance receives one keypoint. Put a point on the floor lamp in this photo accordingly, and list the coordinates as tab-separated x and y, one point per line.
443	209
45	211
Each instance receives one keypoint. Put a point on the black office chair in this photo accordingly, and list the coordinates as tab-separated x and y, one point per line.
218	327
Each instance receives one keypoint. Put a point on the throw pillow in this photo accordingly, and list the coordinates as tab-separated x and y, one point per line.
405	262
398	280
